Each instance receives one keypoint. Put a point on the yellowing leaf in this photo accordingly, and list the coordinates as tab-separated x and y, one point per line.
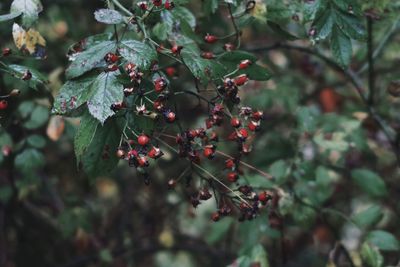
55	128
30	41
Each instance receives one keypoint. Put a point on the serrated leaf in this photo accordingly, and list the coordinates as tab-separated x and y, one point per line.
323	24
29	160
383	240
371	255
10	16
369	182
197	65
85	134
103	92
99	156
108	16
350	25
341	47
30	41
281	32
89	59
311	9
184	14
30	10
137	52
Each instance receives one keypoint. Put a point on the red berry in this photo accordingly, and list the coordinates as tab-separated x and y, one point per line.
6	52
132	154
154	153
3	104
160	84
210	38
229	164
246	149
232	177
214	136
244	64
176	49
241	79
143	140
111	58
235	122
142	5
257	115
6	150
215	216
253	126
169	5
243	133
143	162
112	67
208	152
262	196
130	67
208	55
157	2
170	117
171	71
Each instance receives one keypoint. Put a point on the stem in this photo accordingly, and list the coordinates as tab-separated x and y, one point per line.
371	73
237	31
120	6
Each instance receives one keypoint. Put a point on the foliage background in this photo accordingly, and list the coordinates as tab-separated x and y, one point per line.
334	167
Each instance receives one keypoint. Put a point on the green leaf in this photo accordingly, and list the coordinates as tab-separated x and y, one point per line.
197	65
36	141
28	160
89	59
183	14
105	255
281	32
237	56
138	53
85	134
72	95
383	240
311	9
102	93
323	24
37	77
99	157
369	182
341	47
259	255
10	16
30	10
371	255
160	30
369	216
37	116
307	118
350	25
108	16
219	230
210	6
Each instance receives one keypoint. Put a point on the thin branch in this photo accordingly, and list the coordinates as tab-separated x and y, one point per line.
371	73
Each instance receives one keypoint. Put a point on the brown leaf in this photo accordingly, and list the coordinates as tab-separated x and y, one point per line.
55	128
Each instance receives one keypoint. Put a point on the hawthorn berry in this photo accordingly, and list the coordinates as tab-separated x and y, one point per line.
263	197
111	58
176	49
128	91
170	116
117	106
171	183
160	84
132	154
253	126
120	153
242	133
241	79
3	104
235	122
232	177
169	5
154	153
208	152
210	38
244	64
142	161
229	163
208	55
214	136
112	67
143	140
204	194
130	67
6	150
257	115
6	52
171	71
215	216
157	2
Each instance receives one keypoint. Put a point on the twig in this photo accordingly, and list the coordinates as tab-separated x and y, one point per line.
371	73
